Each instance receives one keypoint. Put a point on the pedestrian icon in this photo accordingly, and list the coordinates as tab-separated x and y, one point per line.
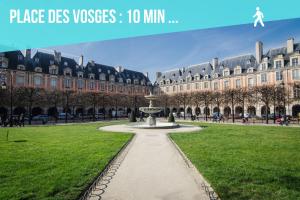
259	17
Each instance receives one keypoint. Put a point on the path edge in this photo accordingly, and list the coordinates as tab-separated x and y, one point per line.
205	184
85	192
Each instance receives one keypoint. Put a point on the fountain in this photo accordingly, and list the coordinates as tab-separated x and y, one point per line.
151	120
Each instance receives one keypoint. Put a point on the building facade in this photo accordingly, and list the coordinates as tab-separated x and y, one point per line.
276	66
52	71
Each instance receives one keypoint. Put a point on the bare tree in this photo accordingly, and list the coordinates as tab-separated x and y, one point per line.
217	99
231	97
265	96
206	97
29	96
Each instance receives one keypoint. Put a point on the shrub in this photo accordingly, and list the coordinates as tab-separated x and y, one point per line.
171	118
132	117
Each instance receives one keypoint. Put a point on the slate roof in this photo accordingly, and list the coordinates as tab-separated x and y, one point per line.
44	60
244	61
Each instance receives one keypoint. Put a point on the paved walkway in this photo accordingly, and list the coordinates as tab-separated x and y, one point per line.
153	169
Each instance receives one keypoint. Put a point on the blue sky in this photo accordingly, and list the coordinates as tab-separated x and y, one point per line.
168	51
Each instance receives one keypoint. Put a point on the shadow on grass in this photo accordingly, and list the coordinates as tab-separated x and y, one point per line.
19	141
290	182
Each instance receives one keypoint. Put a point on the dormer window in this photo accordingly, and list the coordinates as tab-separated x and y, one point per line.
36	60
67	72
216	75
21	67
238	70
20	57
206	77
226	72
102	77
80	74
99	70
38	69
250	70
53	70
51	62
111	78
108	71
92	76
120	80
136	81
65	64
128	81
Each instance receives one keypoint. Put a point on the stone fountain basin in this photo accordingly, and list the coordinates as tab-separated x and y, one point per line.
159	125
150	110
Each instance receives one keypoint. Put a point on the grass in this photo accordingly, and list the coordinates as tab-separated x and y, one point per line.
55	162
246	162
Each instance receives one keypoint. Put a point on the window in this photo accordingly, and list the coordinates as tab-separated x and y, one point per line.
197	77
296	74
20	80
250	82
278	76
278	64
167	89
188	86
53	82
226	73
37	81
226	84
296	90
21	67
129	81
250	70
67	72
92	85
197	86
80	75
102	86
181	88
174	88
38	69
263	78
92	76
264	66
238	71
216	85
238	83
51	62
136	81
294	62
80	83
53	70
102	77
205	85
67	83
120	80
112	78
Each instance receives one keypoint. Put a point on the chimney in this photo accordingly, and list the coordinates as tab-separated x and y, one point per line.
27	54
119	69
158	74
258	51
92	63
57	56
290	45
80	60
215	63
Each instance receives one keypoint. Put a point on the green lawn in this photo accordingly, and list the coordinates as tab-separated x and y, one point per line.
55	162
246	162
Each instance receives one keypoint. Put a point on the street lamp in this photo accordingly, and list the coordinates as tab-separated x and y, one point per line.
283	95
4	87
